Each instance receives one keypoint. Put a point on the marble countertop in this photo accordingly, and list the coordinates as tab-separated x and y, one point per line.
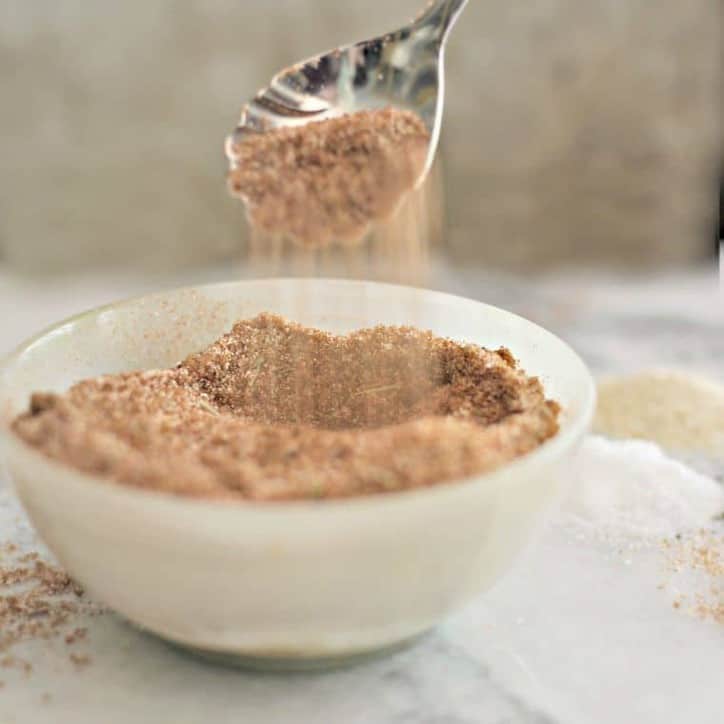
576	632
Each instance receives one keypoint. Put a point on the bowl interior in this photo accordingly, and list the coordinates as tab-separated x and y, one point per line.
159	330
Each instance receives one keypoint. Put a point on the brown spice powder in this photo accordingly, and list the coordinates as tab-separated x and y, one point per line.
326	181
80	660
37	601
701	553
276	411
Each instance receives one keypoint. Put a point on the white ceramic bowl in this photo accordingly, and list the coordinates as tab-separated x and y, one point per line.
285	583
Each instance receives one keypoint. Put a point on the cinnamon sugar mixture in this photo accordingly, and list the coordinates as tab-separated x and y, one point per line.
37	601
276	411
327	181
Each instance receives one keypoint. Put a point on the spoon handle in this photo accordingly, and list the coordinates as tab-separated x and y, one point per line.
441	16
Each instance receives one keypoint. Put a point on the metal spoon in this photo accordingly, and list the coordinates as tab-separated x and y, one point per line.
403	69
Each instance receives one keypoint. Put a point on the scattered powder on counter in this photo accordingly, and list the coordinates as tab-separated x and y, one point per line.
630	495
277	411
80	660
699	556
37	601
674	409
76	635
327	181
630	492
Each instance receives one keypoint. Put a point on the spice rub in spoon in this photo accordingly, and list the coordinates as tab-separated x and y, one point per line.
327	182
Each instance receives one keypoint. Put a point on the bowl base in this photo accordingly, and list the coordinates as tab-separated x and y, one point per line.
281	664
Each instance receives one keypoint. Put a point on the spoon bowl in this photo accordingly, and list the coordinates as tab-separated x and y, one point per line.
402	69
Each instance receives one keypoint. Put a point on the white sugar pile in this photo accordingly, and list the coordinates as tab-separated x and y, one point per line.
679	411
629	490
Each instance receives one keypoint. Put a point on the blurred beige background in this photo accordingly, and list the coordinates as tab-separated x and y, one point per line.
576	131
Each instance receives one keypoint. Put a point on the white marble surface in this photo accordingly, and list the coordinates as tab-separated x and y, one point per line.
576	633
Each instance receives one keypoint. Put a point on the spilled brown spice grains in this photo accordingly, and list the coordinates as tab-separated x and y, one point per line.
327	181
700	554
80	660
37	601
76	635
276	411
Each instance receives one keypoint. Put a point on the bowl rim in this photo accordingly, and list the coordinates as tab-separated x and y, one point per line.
576	426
